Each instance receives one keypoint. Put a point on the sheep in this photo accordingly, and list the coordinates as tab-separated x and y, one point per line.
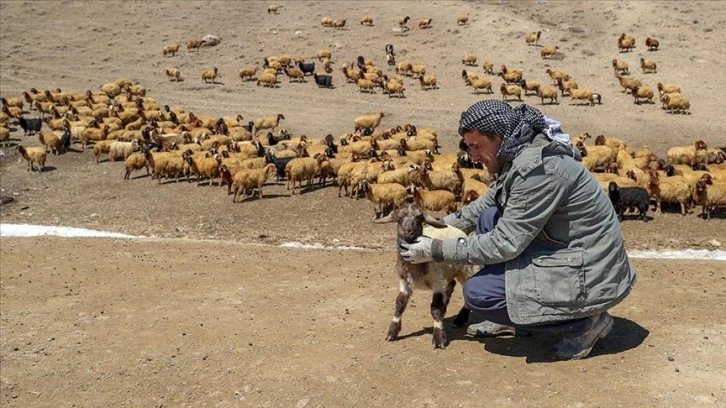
299	169
204	167
368	171
323	81
403	21
338	24
556	75
529	85
549	51
709	197
366	20
648	66
548	92
209	73
424	23
513	77
626	43
642	92
122	149
51	141
166	165
676	102
267	80
4	136
488	67
94	134
29	126
247	179
512	90
267	122
324	53
669	189
666	88
33	155
428	82
628	83
450	180
620	67
383	195
12	101
596	157
532	38
440	277
171	49
686	154
369	121
396	88
469	59
467	76
399	176
581	94
481	83
248	73
462	19
173	73
365	84
652	44
418	70
295	73
623	198
434	200
137	161
272	9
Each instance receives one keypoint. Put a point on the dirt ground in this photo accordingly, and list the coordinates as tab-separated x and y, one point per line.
212	309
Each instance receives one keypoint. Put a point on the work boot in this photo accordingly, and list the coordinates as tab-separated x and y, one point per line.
489	329
577	345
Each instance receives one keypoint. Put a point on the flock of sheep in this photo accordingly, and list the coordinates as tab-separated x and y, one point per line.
385	165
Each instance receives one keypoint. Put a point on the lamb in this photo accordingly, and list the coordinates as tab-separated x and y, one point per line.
620	67
369	121
383	195
137	161
626	43
676	103
51	141
428	82
642	92
171	49
248	73
209	74
481	83
267	122
434	200
648	65
439	277
532	38
548	92
629	197
366	20
246	179
652	44
549	51
709	197
512	90
33	155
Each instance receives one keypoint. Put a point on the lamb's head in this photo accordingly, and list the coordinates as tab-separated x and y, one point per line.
410	218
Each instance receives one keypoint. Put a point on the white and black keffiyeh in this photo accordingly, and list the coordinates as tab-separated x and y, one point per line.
517	126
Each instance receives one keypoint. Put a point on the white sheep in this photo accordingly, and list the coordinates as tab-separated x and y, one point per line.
439	277
122	149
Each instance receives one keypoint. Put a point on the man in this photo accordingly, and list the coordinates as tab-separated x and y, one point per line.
547	234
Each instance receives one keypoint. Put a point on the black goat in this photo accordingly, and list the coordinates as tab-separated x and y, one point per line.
65	140
306	67
323	81
629	197
280	163
30	126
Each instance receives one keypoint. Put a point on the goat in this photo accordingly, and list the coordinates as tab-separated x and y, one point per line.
440	277
629	197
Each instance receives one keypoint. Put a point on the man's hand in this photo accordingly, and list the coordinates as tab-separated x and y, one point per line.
418	251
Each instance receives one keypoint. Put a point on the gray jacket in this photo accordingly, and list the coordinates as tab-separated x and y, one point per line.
558	234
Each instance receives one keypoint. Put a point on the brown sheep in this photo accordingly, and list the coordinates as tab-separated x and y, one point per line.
194	44
171	49
532	38
366	20
648	66
510	90
626	43
652	44
548	92
33	155
549	51
247	179
209	73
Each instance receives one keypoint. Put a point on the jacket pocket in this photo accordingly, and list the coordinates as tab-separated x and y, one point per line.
559	277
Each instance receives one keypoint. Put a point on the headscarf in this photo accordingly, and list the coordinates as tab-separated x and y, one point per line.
517	126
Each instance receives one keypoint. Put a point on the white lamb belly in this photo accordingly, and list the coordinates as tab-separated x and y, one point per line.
443	233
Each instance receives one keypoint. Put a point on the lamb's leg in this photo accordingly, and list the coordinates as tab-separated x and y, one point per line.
438	311
401	302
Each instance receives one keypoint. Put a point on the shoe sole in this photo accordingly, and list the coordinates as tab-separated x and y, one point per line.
605	331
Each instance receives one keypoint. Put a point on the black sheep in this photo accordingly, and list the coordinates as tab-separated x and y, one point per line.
629	197
323	81
306	67
30	126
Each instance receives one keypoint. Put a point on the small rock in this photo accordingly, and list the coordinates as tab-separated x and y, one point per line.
671	358
714	243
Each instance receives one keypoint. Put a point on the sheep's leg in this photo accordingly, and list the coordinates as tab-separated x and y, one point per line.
401	302
438	311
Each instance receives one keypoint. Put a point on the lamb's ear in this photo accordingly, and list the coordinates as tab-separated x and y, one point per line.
434	222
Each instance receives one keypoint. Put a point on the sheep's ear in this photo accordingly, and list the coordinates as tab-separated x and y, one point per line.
434	222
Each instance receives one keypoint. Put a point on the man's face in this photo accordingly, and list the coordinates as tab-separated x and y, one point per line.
484	148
